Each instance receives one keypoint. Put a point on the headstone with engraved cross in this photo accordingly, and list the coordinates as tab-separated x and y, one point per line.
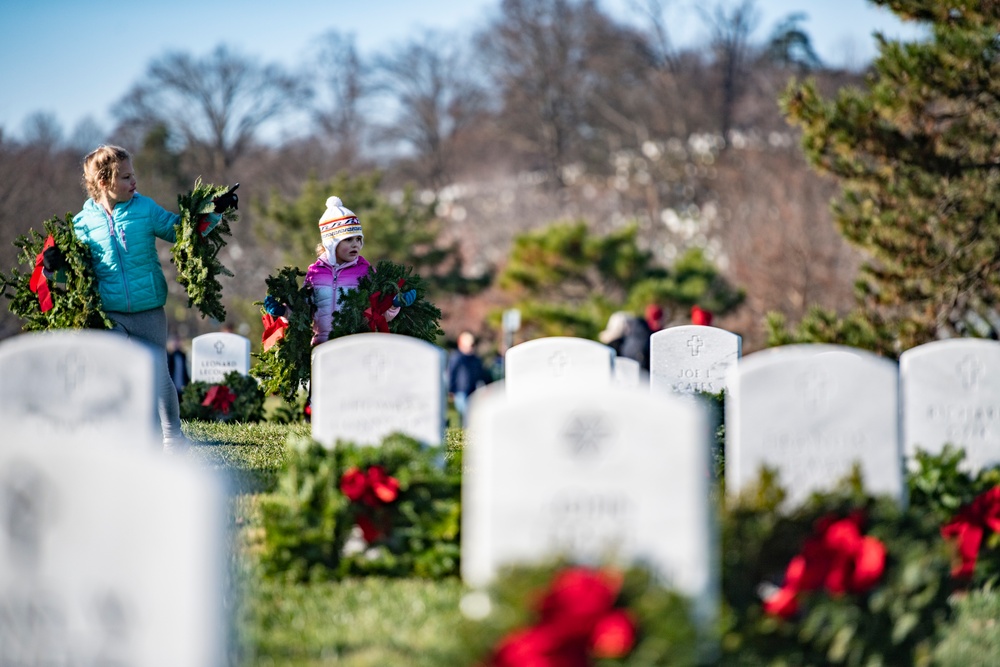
590	473
367	386
950	393
812	412
544	364
215	355
692	359
109	555
76	383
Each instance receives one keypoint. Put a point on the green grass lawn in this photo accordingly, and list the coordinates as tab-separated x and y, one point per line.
371	621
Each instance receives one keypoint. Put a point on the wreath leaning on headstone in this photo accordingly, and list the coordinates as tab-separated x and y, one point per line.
363	309
196	251
236	399
66	300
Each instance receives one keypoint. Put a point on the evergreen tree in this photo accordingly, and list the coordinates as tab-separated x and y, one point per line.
918	153
567	281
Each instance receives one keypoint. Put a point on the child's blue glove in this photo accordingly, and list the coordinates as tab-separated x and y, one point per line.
273	307
405	298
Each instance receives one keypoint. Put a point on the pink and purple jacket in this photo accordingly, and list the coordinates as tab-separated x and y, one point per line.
328	282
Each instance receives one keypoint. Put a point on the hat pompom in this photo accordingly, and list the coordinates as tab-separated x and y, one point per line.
334	201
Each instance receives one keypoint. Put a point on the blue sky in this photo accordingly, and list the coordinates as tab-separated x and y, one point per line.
76	58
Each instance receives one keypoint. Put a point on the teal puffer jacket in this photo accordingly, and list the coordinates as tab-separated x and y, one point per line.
123	251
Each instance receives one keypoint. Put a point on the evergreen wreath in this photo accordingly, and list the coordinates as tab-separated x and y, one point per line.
285	368
391	510
76	303
895	618
374	295
564	614
196	256
237	398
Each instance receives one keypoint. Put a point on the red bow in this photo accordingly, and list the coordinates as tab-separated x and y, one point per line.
372	488
968	527
700	317
38	283
274	330
578	623
375	314
219	398
837	557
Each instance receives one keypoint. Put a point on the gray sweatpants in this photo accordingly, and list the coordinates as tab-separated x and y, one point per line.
150	327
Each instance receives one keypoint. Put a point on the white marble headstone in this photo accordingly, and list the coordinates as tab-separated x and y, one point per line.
369	385
629	373
691	359
77	382
108	556
811	412
950	392
558	361
590	473
215	355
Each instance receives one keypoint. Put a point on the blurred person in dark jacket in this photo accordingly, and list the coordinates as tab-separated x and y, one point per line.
466	373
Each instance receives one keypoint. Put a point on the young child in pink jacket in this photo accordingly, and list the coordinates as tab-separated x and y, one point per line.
338	266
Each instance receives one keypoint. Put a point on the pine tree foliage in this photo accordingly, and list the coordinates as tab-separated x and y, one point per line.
285	368
419	320
197	256
566	280
918	154
856	329
76	301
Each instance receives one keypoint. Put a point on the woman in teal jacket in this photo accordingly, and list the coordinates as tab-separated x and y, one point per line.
121	226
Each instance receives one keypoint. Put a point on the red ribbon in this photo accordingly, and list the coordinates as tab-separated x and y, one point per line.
219	398
372	488
968	528
274	330
577	624
700	316
38	283
836	557
375	314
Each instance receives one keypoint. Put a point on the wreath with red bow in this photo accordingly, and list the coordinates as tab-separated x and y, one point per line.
283	365
576	616
237	398
67	300
850	578
363	310
391	510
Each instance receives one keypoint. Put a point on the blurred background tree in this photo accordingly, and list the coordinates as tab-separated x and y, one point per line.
566	280
917	154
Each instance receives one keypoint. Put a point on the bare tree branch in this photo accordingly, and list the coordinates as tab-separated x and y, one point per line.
217	104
